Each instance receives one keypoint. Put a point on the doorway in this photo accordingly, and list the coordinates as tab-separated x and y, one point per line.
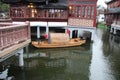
75	34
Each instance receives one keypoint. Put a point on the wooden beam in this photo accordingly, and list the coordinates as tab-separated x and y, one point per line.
95	14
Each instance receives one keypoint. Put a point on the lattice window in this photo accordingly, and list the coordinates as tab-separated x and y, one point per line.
82	11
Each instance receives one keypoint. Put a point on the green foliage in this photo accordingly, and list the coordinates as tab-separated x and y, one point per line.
101	25
4	7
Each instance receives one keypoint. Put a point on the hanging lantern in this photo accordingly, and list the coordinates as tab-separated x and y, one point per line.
70	7
31	5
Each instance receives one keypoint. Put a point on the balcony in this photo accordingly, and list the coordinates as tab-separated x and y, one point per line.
38	14
13	34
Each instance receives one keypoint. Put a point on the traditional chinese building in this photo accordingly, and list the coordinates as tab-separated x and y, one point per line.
72	16
112	16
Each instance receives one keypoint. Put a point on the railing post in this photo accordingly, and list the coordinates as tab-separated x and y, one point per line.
13	35
28	29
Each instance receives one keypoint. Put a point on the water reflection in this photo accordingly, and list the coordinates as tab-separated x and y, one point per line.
58	64
52	64
100	67
99	60
4	75
112	52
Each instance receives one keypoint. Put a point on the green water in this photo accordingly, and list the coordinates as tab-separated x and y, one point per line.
99	60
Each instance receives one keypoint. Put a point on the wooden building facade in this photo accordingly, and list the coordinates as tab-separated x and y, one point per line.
113	12
82	13
112	15
76	12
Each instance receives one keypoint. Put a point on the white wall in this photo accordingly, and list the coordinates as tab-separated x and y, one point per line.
101	18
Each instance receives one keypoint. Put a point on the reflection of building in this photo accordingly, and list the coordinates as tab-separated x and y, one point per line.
46	63
112	16
54	64
32	60
56	57
100	14
114	42
57	15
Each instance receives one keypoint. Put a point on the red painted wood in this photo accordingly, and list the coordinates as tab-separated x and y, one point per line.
17	13
112	17
95	14
13	35
87	11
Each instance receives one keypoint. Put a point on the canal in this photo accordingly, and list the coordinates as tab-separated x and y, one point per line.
97	60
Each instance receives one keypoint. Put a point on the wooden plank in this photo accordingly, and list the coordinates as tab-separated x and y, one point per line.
14	48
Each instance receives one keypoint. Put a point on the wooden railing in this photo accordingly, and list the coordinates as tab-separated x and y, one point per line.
114	4
11	34
37	14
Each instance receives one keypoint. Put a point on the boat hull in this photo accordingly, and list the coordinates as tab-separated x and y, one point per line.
71	43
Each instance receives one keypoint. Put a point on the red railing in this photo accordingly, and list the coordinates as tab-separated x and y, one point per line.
33	13
114	4
82	11
13	34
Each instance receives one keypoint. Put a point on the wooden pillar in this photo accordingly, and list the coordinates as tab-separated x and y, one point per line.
10	36
4	38
25	13
47	31
111	30
0	39
78	33
114	31
95	14
47	13
93	35
21	60
119	3
28	32
38	32
71	32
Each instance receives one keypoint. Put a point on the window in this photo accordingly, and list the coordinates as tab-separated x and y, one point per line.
82	11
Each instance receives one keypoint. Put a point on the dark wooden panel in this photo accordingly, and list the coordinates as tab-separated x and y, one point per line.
36	0
10	1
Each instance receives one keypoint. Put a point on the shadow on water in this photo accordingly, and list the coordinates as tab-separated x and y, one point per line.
93	61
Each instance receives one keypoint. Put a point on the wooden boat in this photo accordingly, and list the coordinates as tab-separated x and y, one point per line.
70	43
